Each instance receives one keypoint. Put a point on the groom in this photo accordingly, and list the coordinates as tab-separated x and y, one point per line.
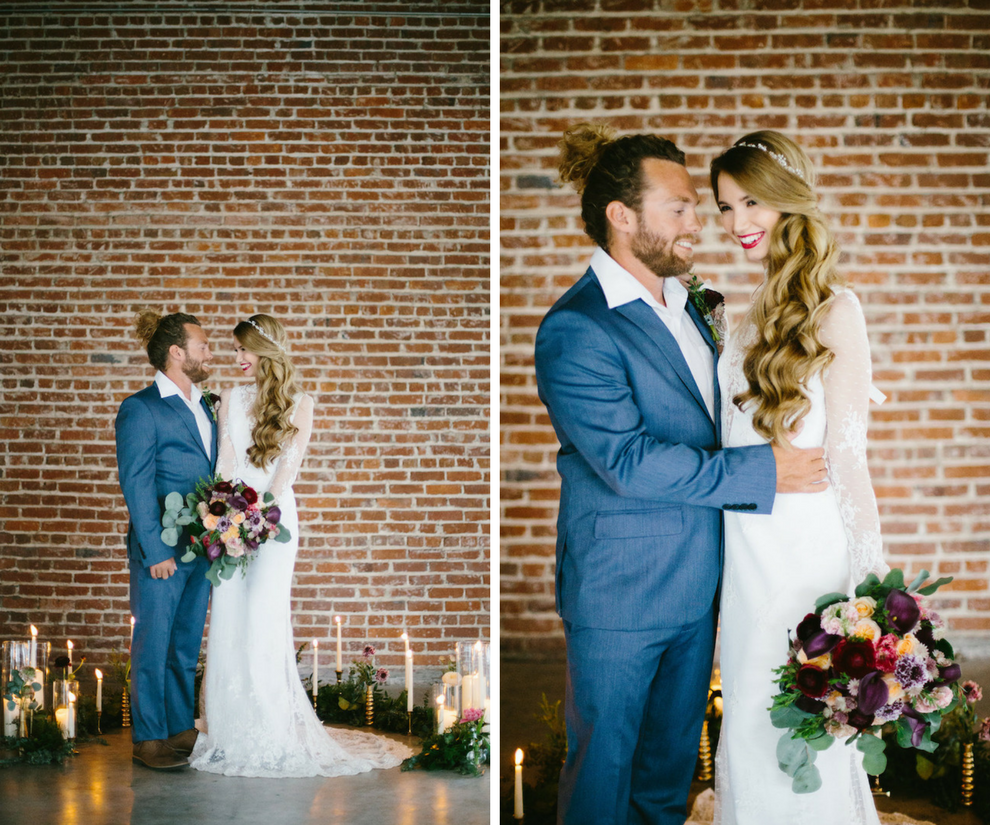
626	368
166	441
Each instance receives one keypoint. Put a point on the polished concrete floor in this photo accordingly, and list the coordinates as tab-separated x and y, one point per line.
101	786
523	681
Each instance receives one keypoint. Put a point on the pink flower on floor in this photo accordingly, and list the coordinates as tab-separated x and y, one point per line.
973	692
472	715
381	676
984	733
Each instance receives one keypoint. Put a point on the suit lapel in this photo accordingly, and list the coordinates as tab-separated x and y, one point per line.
706	335
187	418
213	429
646	319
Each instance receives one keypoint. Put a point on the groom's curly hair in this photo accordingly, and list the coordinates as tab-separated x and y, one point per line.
604	168
157	333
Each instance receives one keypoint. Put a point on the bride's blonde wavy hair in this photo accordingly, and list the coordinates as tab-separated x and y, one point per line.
801	271
277	388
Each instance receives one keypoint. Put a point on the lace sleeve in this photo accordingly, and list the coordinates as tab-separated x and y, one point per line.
292	453
225	455
847	395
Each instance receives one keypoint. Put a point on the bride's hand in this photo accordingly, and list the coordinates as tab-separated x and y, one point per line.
800	471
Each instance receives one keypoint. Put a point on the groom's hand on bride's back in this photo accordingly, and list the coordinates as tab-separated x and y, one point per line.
800	471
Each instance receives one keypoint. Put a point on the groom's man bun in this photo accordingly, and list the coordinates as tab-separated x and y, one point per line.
157	333
604	168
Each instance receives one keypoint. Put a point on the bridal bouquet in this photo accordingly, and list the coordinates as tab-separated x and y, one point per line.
858	664
226	522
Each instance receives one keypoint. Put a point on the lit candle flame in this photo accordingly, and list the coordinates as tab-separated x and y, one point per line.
99	676
316	643
72	697
337	619
440	700
404	635
132	621
34	630
69	644
519	756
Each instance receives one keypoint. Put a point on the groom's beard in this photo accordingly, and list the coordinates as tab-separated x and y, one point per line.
656	253
195	371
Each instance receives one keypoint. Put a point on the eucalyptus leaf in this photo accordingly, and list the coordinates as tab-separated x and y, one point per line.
192	500
168	519
829	599
787	716
343	704
821	743
875	763
188	556
895	578
792	754
227	570
935	585
211	574
170	536
867	584
870	744
173	501
283	535
806	780
182	521
918	581
268	497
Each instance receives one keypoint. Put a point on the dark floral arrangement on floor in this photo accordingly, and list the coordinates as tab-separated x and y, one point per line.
463	747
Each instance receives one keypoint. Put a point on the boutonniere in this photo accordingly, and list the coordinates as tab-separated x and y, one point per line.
711	305
212	401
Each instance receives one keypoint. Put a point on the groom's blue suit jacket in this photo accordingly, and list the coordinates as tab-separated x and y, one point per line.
159	450
643	481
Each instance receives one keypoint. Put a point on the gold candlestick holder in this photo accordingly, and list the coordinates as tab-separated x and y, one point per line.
369	707
340	676
409	714
705	755
875	787
968	769
99	715
125	708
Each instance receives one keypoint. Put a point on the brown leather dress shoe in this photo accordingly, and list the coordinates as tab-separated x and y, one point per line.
158	755
182	743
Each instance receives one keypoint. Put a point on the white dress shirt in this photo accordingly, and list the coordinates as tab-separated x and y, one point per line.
167	387
621	287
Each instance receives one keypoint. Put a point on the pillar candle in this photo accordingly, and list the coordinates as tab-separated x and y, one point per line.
409	681
99	691
340	665
71	721
441	715
316	664
518	808
10	717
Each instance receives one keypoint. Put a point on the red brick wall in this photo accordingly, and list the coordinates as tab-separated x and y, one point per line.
329	169
891	104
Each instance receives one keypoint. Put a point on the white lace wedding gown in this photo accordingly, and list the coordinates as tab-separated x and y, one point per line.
776	566
260	721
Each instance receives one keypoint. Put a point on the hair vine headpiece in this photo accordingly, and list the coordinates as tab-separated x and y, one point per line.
777	156
265	335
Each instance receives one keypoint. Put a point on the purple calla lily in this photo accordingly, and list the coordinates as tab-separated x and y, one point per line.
873	693
273	515
809	626
213	551
239	502
820	643
916	723
950	673
902	610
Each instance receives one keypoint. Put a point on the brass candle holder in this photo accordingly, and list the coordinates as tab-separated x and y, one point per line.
369	707
409	714
705	755
125	708
340	676
968	769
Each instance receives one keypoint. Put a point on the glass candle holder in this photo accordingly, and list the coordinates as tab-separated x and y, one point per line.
17	657
474	665
65	700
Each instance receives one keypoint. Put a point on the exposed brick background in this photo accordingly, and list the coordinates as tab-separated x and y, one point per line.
891	103
331	169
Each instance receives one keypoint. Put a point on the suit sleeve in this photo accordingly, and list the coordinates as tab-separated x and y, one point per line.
582	380
136	451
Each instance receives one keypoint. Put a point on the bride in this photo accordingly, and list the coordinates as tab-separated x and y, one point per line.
259	720
798	369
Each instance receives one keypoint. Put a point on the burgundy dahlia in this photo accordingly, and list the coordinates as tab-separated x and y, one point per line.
855	658
250	495
218	508
223	487
812	681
